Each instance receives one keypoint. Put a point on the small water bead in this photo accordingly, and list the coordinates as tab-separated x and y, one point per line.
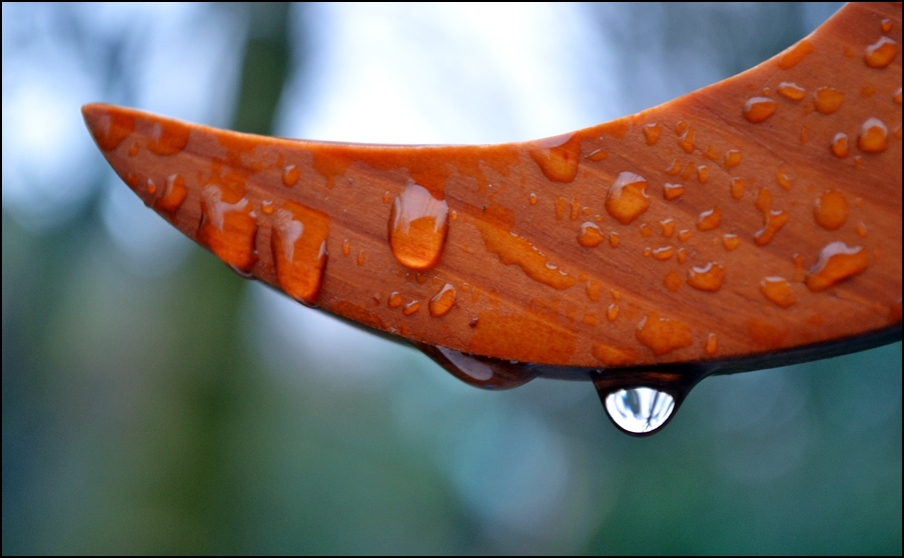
868	91
290	176
395	300
150	186
299	250
839	145
627	198
711	153
533	198
837	262
684	234
174	194
362	257
346	248
651	133
706	278
793	55
132	180
682	256
442	302
675	168
672	281
133	150
593	290
598	155
612	312
731	241
712	344
775	220
387	196
791	91
881	53
411	307
418	224
737	188
639	411
897	96
828	100
228	229
646	230
688	170
777	290
861	229
672	191
873	136
613	239
575	209
732	158
686	141
885	25
702	174
663	253
783	179
830	210
668	227
709	220
758	109
662	335
109	128
590	235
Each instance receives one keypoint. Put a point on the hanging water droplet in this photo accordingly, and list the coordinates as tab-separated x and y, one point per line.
639	410
479	371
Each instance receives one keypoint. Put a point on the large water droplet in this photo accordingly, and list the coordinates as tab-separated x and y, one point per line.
828	100
590	235
417	227
639	410
830	210
758	109
627	198
299	250
873	136
228	229
480	371
442	302
881	53
837	262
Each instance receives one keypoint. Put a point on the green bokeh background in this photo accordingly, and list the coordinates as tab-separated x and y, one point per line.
139	417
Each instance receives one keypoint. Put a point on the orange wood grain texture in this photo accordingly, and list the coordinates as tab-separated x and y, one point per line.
760	213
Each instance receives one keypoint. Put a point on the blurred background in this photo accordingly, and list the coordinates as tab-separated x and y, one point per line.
155	402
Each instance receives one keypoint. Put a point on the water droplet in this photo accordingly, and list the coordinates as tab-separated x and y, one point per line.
897	96
651	132
709	220
362	256
686	141
346	248
109	128
132	180
662	335
479	371
706	278
168	137
885	25
830	210
133	150
682	256
684	234
791	91
513	249
731	241
732	158
675	168
593	290
775	220
672	281
794	54
442	302
417	227
228	229
174	194
668	227
783	180
672	191
828	100
575	209
589	319
590	235
561	207
613	356
711	344
627	198
640	410
646	231
861	229
663	253
881	53
558	157
777	290
702	174
290	176
151	187
837	262
386	196
411	307
533	198
299	250
840	147
395	300
868	91
612	312
737	188
598	155
758	109
873	136
613	239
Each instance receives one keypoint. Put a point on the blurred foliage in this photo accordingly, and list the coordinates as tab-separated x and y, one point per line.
138	418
